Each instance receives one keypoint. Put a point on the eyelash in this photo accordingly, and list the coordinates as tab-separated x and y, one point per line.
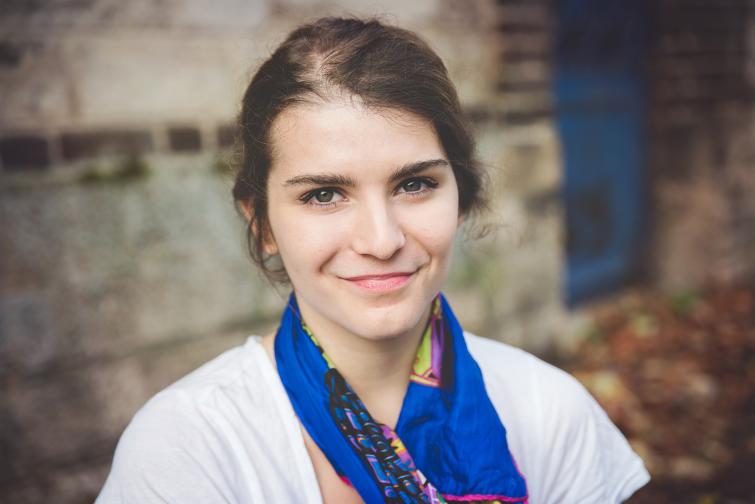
308	197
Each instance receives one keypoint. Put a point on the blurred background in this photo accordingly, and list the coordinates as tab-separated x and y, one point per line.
620	137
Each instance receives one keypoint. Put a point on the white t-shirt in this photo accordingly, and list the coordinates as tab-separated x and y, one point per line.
227	433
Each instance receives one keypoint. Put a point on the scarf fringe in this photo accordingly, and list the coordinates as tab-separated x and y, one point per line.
475	498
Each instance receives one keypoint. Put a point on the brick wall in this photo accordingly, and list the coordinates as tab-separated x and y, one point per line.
701	140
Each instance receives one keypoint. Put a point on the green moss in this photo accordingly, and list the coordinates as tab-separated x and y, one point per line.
128	169
132	167
224	164
92	174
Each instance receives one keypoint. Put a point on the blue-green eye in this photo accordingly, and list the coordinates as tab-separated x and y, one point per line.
417	185
413	185
324	195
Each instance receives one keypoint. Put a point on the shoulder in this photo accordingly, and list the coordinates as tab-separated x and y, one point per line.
196	438
526	382
527	390
565	444
201	398
518	377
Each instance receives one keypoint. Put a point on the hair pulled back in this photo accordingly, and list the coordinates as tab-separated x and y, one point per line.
385	67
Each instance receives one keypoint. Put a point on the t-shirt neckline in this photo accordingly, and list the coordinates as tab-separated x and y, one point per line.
290	421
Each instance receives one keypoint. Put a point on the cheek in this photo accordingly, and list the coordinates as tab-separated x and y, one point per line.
437	239
435	225
304	244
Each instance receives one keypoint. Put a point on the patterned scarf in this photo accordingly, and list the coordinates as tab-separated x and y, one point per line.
449	444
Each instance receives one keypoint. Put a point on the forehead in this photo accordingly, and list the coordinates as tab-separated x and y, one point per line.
341	136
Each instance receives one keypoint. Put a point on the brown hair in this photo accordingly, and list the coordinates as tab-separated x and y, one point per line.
385	67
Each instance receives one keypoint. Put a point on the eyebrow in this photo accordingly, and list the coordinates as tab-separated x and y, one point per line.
340	180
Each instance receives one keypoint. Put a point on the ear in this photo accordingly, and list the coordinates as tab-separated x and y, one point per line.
462	218
269	246
246	208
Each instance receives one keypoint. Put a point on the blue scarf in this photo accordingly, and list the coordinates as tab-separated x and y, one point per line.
449	444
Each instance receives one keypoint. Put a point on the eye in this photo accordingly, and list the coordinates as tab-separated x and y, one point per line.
413	185
417	185
322	197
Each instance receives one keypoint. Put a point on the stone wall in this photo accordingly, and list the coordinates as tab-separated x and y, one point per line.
122	261
112	287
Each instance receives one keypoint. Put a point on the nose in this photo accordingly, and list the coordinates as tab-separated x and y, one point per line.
377	232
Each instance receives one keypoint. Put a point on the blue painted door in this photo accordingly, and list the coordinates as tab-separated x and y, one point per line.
600	101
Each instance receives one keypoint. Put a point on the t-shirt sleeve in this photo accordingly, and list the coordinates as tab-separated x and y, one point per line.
165	456
586	458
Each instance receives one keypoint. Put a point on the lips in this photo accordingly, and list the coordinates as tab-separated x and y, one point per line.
379	277
386	282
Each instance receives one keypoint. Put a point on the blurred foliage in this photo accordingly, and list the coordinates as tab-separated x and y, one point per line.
684	302
677	375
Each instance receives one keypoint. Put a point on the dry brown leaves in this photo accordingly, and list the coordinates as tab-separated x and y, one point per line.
677	375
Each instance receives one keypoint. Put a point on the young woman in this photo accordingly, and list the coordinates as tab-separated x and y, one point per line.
357	172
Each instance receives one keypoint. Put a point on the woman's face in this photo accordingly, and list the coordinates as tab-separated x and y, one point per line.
363	208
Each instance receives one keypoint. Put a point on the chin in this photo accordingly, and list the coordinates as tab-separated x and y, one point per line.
391	321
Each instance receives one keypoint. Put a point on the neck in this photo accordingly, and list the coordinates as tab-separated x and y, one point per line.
378	369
